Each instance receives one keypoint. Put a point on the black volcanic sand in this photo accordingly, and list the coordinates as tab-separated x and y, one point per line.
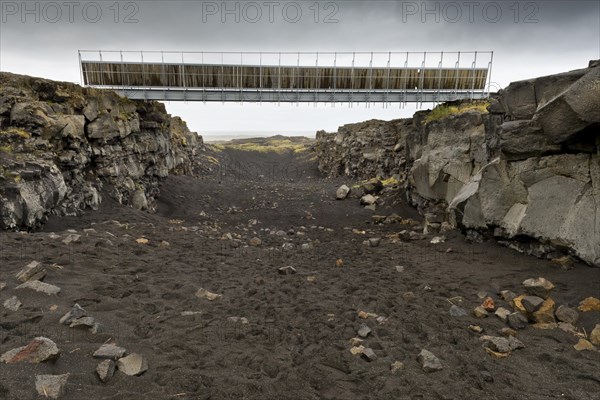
296	345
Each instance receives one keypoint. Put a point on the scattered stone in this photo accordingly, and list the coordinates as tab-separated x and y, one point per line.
355	342
342	192
517	320
566	262
589	304
567	314
368	354
545	325
311	278
595	335
508	332
480	312
396	366
532	303
205	294
429	362
488	304
289	270
438	239
142	241
76	312
400	268
306	247
568	328
378	219
2	285
517	304
502	313
32	271
86	322
507	295
363	314
381	319
339	262
52	386
371	207
540	287
475	328
584	344
368	200
373	186
545	314
41	287
482	294
255	242
106	370
239	320
374	242
357	350
190	313
71	238
364	331
164	243
457	311
496	354
133	365
13	304
502	344
38	350
109	351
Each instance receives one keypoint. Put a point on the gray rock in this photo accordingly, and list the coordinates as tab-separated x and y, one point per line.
502	344
368	200
109	351
71	238
85	322
532	303
540	287
374	242
364	331
368	354
342	192
41	287
133	365
502	313
517	320
429	362
567	314
40	349
106	370
52	386
76	312
457	311
13	304
139	200
289	270
2	285
32	271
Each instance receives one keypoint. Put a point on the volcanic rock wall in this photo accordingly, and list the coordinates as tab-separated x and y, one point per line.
61	144
528	168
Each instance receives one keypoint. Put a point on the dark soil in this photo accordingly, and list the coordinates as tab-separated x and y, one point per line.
296	344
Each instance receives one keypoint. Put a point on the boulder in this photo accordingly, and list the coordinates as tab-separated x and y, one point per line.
133	365
40	349
342	192
52	386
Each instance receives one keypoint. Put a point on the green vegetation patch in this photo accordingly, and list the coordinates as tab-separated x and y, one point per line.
279	146
447	109
16	132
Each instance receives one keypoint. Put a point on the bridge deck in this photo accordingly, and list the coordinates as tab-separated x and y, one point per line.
293	83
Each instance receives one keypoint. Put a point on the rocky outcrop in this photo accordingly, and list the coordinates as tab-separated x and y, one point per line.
62	146
530	167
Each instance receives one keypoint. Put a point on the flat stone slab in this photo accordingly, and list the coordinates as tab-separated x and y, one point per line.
52	386
32	271
38	350
109	351
12	304
41	287
76	312
133	365
106	370
429	362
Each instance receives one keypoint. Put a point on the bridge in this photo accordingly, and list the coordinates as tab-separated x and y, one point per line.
299	77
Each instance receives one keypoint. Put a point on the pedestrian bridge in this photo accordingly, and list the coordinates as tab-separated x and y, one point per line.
373	77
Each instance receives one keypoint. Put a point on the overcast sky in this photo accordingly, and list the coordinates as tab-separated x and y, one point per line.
528	38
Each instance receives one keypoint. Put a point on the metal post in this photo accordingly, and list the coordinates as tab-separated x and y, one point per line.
260	80
334	76
317	80
183	78
405	78
81	81
222	80
473	80
143	73
298	82
352	80
490	73
456	75
437	96
422	72
279	82
370	80
387	95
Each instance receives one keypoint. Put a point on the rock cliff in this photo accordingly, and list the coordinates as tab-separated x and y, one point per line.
62	146
527	168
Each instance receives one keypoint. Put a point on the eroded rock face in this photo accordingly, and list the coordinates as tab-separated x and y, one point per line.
529	167
60	144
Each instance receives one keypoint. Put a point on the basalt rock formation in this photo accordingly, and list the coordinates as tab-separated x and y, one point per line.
529	167
62	146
